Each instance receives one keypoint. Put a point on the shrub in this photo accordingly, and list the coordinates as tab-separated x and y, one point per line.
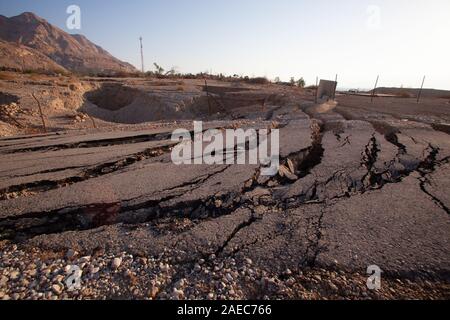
404	94
301	83
257	80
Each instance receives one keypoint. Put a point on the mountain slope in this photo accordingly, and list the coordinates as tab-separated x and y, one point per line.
73	52
19	57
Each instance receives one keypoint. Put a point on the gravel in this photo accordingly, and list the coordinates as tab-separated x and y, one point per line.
34	274
116	263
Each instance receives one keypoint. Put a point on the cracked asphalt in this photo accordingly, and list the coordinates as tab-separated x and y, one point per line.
365	188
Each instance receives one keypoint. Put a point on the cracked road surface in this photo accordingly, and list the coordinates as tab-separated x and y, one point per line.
362	190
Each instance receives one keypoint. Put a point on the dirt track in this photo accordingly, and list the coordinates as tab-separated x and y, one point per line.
369	189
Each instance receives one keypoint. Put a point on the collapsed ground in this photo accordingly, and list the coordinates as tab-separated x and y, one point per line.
360	184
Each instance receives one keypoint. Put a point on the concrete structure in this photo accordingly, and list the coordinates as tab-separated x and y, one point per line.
327	89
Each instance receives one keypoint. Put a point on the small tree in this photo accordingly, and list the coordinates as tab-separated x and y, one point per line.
301	83
159	69
277	80
173	71
292	81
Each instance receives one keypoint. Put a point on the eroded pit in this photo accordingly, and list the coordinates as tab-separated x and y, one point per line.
112	96
6	98
119	103
114	102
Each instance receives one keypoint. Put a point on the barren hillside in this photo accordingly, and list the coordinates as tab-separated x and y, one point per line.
73	52
19	57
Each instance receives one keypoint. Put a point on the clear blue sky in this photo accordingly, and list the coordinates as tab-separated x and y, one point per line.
399	39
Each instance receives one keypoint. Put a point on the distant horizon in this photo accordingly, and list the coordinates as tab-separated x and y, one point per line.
357	40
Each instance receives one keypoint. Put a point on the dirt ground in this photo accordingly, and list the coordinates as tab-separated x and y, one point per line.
433	111
360	184
70	103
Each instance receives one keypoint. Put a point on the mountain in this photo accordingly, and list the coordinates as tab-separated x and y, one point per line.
19	57
73	52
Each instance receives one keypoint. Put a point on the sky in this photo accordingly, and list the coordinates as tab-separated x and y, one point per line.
400	40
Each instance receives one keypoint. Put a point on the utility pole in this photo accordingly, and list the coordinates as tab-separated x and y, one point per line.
142	55
374	88
317	90
207	97
420	91
335	87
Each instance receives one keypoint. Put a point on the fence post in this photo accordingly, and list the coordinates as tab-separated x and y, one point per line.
317	90
207	96
374	88
40	112
335	88
420	91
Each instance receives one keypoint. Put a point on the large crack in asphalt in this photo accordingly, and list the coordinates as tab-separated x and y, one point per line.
95	215
302	162
427	167
315	153
374	179
424	168
96	143
31	188
313	249
56	170
103	142
244	224
369	158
